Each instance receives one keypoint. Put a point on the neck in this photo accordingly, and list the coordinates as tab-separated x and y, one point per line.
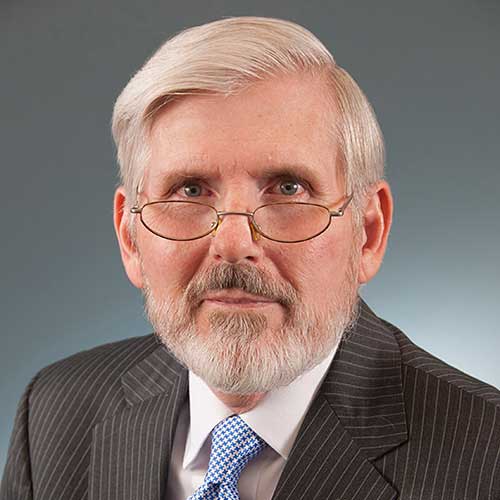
239	403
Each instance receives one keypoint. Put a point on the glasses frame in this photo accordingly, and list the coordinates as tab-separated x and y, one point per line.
256	230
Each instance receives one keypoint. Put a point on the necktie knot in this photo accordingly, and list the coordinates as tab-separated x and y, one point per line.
234	444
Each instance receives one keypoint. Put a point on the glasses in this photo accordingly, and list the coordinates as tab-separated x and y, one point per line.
286	222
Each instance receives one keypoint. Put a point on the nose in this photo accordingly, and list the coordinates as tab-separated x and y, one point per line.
235	240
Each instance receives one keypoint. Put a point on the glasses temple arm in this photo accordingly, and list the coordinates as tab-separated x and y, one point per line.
340	211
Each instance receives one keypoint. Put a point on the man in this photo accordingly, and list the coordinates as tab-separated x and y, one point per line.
252	207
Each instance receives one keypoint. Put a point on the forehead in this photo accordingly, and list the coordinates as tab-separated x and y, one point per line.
283	122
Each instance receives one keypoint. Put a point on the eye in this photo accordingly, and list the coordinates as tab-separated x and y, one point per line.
289	187
192	189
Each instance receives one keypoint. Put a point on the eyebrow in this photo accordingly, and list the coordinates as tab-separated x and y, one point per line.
168	178
298	171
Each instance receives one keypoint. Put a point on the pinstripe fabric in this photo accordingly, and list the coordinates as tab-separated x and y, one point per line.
389	422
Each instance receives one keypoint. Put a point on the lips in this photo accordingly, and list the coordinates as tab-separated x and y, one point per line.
236	297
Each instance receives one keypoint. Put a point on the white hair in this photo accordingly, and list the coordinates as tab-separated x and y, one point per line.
225	57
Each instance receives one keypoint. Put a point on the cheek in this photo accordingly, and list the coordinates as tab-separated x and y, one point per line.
315	267
170	265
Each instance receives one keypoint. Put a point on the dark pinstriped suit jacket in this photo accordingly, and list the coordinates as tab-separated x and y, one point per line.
390	421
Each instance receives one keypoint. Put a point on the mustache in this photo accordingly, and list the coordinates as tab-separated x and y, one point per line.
249	279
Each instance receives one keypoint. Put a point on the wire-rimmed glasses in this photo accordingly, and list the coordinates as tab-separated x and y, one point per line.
283	222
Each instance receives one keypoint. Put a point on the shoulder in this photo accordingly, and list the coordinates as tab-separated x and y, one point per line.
88	382
97	365
418	363
449	410
453	425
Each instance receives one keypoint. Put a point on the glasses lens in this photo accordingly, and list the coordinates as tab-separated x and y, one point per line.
179	220
292	221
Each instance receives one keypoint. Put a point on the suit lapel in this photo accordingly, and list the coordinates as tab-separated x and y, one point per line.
131	450
357	416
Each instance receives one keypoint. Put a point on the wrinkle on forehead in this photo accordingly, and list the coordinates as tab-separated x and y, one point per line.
264	131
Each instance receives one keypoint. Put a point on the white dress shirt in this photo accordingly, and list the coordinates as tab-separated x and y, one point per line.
276	419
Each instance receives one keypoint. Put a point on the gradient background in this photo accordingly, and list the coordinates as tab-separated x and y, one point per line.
430	69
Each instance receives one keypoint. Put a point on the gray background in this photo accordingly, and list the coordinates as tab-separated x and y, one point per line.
431	70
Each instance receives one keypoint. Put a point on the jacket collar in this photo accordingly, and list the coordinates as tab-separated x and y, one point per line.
364	386
158	374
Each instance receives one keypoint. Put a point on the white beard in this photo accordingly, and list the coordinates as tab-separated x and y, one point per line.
240	354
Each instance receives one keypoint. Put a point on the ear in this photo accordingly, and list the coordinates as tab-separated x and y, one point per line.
128	249
377	220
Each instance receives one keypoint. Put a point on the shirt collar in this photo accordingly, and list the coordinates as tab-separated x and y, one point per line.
276	419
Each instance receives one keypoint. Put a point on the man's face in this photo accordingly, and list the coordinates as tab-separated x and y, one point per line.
249	315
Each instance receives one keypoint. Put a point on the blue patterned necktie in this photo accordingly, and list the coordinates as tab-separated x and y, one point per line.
234	444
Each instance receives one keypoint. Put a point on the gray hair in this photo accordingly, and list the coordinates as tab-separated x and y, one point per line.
225	57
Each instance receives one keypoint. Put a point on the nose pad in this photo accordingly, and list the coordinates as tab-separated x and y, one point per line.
220	220
255	233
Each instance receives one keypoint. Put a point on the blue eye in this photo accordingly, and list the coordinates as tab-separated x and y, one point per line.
289	187
192	190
